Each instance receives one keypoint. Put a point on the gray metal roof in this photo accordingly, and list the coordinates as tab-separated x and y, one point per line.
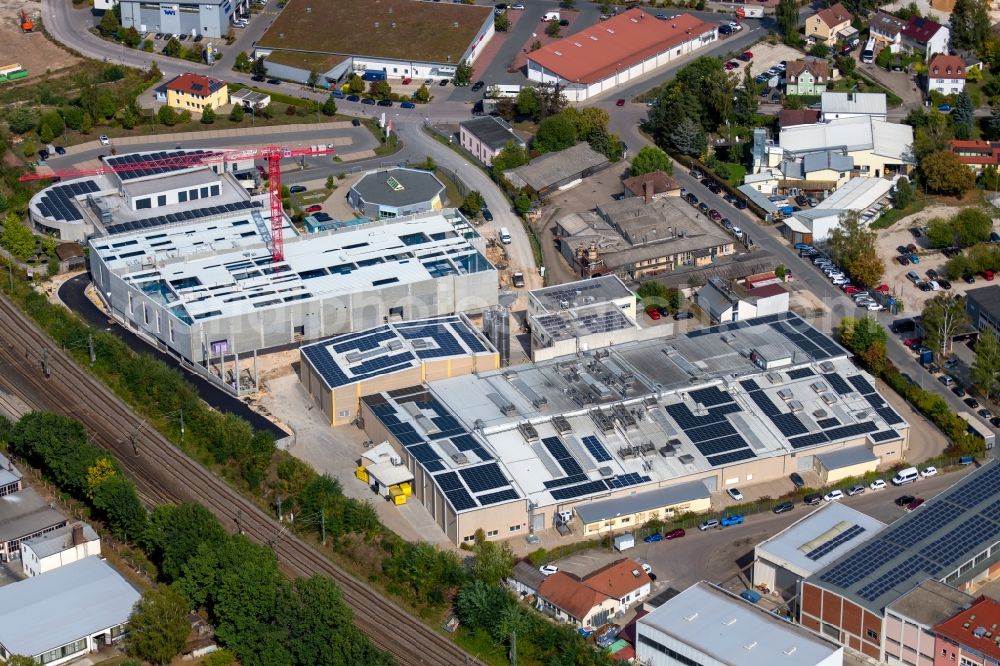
807	545
551	168
733	631
58	540
25	512
854	455
843	102
62	606
582	292
8	473
987	299
654	499
947	532
417	186
492	131
758	198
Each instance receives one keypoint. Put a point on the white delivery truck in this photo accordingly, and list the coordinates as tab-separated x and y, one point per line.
750	12
505	235
624	542
551	16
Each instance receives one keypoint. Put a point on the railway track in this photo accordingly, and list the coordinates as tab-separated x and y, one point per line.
164	474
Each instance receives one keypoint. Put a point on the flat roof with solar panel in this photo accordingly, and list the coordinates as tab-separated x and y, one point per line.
354	357
642	414
948	538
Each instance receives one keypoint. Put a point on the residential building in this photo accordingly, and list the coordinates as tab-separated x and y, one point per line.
631	238
827	25
397	39
925	37
202	299
950	539
946	74
339	370
781	562
705	624
976	154
968	637
486	136
793	117
210	19
24	515
838	105
983	307
910	620
651	186
887	31
560	170
60	547
396	192
614	52
592	600
507	450
10	477
194	92
806	76
65	614
724	303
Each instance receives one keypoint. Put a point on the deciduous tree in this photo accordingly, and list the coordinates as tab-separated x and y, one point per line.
208	115
986	367
493	560
527	103
554	133
158	625
943	316
969	24
237	114
473	203
243	62
501	22
329	107
852	245
649	159
173	48
17	238
787	16
945	173
259	68
463	74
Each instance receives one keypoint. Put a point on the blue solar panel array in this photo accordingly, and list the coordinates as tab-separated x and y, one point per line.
800	373
710	396
180	216
838	383
713	435
562	456
57	202
121	163
830	545
596	449
581	490
861	563
626	480
481	478
807	338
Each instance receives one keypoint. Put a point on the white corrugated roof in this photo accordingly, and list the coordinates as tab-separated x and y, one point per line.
857	194
842	102
44	612
860	133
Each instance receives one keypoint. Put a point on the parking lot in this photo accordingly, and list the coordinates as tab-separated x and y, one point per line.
766	56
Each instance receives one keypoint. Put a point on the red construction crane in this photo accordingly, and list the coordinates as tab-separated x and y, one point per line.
271	154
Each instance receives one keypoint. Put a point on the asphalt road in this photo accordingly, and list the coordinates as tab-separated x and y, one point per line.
71	293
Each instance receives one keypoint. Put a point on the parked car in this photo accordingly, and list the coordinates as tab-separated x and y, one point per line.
548	569
958	390
105	141
855	490
746	56
915	503
487	214
652	313
683	315
903	500
674	534
735	494
708	524
833	495
517	279
60	150
877	484
478	85
369	101
315	208
729	521
353	98
797	480
444	82
928	472
297	189
274	82
654	537
946	380
971	402
784	507
986	414
812	499
620	102
385	102
407	105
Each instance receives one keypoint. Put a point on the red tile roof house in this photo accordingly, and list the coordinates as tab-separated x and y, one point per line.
946	74
976	154
970	636
614	52
596	598
924	36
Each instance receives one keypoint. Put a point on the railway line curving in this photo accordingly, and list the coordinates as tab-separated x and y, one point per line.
164	474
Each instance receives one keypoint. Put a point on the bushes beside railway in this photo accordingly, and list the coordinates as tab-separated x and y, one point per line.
59	447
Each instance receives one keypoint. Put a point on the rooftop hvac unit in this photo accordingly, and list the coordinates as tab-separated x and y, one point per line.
774	377
650	402
785	394
820	414
623	416
863	415
603	422
561	424
686	459
829	398
460	459
505	406
605	471
826	366
819	387
667	451
795	405
527	431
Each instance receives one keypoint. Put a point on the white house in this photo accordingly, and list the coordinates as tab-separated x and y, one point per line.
58	548
594	599
724	304
946	74
65	614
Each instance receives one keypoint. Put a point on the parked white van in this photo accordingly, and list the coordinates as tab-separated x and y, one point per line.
551	16
908	475
505	235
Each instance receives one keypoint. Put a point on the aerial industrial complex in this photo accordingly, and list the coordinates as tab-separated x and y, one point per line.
635	431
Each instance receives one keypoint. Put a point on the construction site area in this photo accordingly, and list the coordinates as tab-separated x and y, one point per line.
24	46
